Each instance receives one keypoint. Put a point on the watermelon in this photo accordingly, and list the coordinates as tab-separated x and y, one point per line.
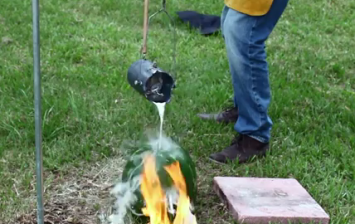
163	158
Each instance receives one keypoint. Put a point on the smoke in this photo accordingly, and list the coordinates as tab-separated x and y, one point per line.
124	192
125	198
167	144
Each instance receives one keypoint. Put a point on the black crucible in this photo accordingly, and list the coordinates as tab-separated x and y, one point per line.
150	81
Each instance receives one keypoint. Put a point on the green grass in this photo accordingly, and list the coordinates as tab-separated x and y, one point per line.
89	108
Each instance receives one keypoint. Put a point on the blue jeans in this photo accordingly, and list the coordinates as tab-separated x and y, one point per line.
245	38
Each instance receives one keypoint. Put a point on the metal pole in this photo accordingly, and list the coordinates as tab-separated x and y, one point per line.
38	113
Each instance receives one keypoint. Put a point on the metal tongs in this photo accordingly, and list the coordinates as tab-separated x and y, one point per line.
146	23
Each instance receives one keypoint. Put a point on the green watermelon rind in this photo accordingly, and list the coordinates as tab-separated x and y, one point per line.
134	167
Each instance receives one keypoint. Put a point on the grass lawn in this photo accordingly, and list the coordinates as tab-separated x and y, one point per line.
89	108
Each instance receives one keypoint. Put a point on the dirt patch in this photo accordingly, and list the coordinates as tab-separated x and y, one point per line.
82	196
79	199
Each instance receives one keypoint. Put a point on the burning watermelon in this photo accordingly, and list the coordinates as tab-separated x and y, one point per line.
169	153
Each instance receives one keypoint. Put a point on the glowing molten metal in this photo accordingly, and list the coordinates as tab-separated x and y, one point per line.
155	197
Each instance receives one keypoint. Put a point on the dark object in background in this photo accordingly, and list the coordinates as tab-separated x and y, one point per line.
207	24
150	81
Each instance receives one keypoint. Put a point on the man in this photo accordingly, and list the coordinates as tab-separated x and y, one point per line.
245	25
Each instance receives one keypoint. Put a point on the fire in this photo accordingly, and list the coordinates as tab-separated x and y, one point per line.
155	198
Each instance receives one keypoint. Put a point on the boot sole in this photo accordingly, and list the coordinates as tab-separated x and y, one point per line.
261	156
217	162
211	117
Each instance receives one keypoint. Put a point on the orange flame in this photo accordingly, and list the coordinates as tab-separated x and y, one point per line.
155	197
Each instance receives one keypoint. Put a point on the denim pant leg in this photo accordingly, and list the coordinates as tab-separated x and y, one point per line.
245	38
223	17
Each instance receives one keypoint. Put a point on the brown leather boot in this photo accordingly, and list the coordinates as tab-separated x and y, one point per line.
243	148
229	115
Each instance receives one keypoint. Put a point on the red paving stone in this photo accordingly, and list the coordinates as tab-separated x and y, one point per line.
264	200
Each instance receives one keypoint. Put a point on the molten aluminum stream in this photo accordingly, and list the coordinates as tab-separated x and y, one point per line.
155	197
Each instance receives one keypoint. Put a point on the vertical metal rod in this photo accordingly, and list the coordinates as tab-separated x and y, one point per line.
145	27
38	113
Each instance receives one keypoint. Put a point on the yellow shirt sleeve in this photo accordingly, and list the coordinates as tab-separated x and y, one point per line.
250	7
